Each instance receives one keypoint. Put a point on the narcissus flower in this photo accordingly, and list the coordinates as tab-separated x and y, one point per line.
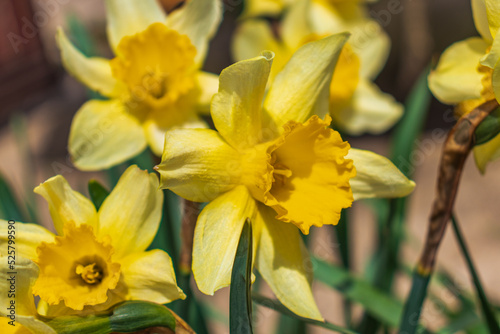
20	317
468	72
356	103
98	258
154	82
276	162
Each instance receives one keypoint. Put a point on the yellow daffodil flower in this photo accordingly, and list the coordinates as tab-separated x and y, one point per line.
356	104
276	162
468	72
98	258
18	313
153	83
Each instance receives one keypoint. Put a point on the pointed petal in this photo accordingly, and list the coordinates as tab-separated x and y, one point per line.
129	17
27	273
216	238
93	72
481	19
103	134
301	89
376	176
296	26
65	204
371	111
493	14
209	85
372	45
199	20
456	78
487	152
283	262
198	164
131	213
236	108
150	276
27	237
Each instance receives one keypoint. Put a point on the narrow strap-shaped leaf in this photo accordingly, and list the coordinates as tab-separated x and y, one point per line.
126	317
277	306
9	209
240	301
485	305
381	306
97	193
413	306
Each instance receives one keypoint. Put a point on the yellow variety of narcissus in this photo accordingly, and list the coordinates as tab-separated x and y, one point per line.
468	72
275	160
98	257
356	104
154	82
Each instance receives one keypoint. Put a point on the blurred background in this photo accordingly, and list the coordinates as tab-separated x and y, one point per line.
38	100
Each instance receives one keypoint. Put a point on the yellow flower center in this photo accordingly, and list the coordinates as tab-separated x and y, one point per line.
307	179
157	65
487	93
76	269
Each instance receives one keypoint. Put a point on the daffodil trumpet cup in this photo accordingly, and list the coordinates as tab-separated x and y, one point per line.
272	159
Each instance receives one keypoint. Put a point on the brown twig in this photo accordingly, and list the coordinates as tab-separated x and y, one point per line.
457	147
190	213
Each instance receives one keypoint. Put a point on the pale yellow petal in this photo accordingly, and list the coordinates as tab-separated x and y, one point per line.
456	78
199	20
103	135
236	108
94	72
150	276
25	238
302	88
65	204
376	176
198	164
155	134
209	86
493	14
131	213
216	238
283	261
325	20
128	17
370	111
481	19
17	281
33	325
487	152
372	45
252	37
296	26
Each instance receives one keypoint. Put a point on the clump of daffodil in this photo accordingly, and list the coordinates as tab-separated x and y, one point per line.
276	161
98	258
468	72
356	103
24	319
153	83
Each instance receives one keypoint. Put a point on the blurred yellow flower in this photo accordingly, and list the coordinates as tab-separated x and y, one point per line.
276	162
153	83
468	72
98	258
22	318
356	103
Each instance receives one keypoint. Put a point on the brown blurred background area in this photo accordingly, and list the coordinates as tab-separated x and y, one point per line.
38	100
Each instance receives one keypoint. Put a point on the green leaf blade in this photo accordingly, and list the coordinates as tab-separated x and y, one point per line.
240	301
